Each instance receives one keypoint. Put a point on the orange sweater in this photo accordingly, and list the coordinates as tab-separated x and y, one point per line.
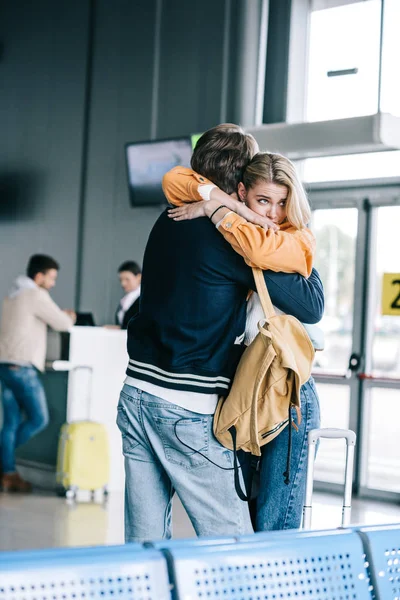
289	250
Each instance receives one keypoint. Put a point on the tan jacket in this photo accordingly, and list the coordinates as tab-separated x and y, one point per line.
23	329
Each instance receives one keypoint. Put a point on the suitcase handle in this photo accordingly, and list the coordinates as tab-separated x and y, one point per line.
333	434
330	433
60	458
89	391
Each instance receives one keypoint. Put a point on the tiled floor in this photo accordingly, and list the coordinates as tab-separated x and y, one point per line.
43	520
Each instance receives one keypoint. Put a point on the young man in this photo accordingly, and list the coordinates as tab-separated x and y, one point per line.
27	311
184	347
130	275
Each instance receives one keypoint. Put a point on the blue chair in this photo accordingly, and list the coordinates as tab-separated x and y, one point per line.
266	536
97	573
305	567
382	549
43	554
190	542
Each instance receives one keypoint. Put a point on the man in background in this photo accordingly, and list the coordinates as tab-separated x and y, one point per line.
130	276
27	311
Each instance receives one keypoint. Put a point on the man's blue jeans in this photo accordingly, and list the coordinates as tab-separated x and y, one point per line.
22	392
280	506
157	464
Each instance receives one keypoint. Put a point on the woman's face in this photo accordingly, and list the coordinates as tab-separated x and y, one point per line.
266	199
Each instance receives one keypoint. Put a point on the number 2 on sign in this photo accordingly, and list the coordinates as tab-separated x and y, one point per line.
396	302
391	294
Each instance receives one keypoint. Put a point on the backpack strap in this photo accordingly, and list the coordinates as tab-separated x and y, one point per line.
253	483
262	290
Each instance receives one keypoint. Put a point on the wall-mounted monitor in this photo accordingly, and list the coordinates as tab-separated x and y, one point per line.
147	162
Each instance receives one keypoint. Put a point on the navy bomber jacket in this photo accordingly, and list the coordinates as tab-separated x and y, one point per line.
188	334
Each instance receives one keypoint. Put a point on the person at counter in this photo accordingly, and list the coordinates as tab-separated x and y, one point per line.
130	276
27	311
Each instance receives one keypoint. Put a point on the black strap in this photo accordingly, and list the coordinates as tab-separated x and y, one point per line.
289	453
198	451
255	478
253	486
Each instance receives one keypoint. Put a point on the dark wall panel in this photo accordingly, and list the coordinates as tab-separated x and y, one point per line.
121	111
191	66
158	70
277	66
42	89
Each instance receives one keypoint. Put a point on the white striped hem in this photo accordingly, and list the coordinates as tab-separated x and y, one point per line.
217	379
181	381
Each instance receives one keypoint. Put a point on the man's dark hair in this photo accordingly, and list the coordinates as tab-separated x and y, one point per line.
222	153
41	263
130	265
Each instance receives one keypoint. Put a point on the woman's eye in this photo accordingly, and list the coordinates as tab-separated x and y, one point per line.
283	204
263	201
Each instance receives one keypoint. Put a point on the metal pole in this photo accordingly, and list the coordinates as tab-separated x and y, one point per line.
156	70
307	508
225	61
348	482
262	63
381	54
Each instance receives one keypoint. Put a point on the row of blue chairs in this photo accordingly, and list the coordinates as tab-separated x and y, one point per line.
360	563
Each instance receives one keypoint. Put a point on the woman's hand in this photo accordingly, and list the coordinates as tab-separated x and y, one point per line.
192	210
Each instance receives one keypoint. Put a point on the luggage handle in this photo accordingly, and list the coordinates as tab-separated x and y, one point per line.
61	456
89	394
330	433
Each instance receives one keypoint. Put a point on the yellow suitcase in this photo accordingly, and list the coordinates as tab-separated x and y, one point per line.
83	458
83	461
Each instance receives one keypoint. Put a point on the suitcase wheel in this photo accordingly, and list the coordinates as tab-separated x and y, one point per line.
71	493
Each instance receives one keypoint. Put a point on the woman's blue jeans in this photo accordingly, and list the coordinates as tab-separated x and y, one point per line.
280	506
25	410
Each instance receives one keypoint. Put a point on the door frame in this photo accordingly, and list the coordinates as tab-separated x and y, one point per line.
366	196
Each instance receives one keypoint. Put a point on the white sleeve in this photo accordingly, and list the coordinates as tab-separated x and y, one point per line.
316	336
225	215
205	190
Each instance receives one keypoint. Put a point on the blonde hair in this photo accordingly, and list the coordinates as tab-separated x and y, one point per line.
275	168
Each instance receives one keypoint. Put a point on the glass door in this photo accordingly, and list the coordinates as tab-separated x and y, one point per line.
358	373
336	230
380	380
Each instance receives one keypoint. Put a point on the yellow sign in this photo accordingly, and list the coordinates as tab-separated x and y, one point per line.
391	294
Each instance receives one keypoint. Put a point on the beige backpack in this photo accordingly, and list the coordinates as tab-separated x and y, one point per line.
267	382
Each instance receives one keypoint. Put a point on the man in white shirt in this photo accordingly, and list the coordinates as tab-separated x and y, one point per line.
130	276
26	313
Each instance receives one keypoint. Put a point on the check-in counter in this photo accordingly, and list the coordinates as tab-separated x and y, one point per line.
75	394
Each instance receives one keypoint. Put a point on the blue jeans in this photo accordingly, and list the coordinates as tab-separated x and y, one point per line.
157	464
22	390
280	506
